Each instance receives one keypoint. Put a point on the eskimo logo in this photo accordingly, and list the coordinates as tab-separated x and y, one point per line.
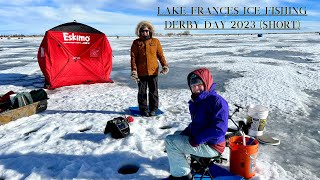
73	38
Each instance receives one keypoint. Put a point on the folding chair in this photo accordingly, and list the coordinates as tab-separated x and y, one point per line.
201	165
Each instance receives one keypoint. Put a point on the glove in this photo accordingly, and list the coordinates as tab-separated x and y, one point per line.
130	119
165	70
193	142
134	76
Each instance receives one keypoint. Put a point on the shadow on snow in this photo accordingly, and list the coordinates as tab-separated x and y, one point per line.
64	166
24	80
176	78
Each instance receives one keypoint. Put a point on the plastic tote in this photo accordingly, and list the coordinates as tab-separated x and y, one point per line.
257	120
243	158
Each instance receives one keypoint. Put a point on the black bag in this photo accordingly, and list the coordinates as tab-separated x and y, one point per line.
38	95
118	127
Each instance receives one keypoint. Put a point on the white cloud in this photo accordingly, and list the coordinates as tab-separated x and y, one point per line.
82	3
313	13
37	15
19	2
37	20
312	26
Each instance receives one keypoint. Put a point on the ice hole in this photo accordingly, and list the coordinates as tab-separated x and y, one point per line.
128	169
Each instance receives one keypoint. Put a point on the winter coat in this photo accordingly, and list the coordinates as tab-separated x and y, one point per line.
209	113
145	55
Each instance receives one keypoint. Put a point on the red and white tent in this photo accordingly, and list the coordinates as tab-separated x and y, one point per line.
74	53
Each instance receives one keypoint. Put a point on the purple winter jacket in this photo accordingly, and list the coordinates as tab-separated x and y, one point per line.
209	113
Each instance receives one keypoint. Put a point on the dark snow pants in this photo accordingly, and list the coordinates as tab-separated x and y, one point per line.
150	82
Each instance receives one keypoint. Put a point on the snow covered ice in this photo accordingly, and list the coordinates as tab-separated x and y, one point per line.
278	71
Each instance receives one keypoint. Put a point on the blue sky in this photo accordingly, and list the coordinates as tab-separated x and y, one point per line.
116	17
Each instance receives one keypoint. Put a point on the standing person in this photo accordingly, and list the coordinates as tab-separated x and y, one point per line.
205	135
145	53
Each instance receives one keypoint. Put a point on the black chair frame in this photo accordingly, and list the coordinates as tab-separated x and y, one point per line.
200	165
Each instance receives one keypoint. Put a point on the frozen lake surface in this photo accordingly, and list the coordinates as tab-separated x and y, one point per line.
281	72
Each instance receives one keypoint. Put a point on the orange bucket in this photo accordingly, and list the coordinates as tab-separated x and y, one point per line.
243	158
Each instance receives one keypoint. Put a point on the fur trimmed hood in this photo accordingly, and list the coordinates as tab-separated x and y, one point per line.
145	23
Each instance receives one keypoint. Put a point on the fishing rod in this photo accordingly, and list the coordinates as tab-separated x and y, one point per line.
238	107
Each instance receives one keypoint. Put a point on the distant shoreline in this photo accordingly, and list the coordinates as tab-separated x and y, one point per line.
161	35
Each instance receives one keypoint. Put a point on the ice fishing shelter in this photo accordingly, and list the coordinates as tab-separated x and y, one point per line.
75	53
